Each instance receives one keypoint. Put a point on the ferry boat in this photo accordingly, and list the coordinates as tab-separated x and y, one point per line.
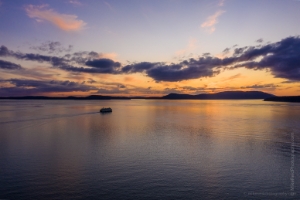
103	110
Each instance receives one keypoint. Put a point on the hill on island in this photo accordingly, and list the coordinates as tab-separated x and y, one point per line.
222	95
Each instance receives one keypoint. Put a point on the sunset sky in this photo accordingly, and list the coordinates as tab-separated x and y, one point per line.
148	47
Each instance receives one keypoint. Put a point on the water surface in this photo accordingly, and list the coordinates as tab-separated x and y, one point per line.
149	149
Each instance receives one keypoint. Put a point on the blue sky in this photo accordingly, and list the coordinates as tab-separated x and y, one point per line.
137	31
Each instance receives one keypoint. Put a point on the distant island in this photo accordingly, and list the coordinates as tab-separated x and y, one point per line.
91	97
222	95
284	99
219	95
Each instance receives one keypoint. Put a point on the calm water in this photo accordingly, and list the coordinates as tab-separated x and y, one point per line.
149	149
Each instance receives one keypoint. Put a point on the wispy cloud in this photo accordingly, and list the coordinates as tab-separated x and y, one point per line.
63	21
233	77
211	21
109	6
75	2
270	86
192	45
260	40
221	3
209	24
52	47
112	56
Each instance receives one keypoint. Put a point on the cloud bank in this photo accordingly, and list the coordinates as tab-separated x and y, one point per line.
9	65
38	87
281	58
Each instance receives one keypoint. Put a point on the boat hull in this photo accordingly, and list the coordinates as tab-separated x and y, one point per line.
105	110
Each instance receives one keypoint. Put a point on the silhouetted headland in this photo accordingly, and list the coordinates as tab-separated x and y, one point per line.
284	99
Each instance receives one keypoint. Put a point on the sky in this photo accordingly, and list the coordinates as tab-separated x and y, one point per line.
148	47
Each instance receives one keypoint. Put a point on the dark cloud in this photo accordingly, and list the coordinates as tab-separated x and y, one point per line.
256	86
4	51
139	67
52	47
92	70
54	60
113	84
251	53
233	77
91	81
173	72
187	69
190	88
206	54
260	40
9	65
226	51
37	87
239	51
209	62
289	81
104	65
194	89
207	66
82	57
177	72
281	58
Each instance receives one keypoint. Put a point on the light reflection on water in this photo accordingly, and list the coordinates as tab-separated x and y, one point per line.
148	149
